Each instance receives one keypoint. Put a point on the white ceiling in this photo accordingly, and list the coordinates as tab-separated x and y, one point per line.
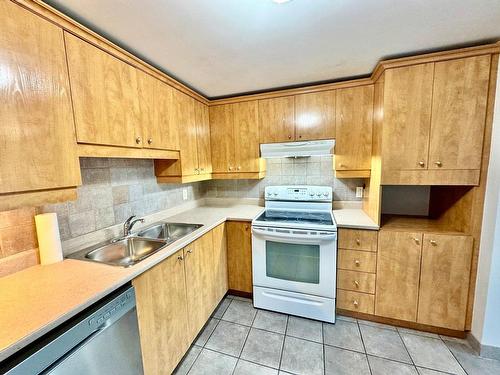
224	47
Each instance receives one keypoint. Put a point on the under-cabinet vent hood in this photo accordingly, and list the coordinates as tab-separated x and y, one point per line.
297	149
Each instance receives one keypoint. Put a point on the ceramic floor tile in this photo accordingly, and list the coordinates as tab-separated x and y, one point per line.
302	357
344	335
270	321
249	300
249	368
263	347
471	362
240	312
380	366
345	318
426	371
228	338
345	362
305	329
206	332
416	332
210	363
375	324
187	361
221	309
385	343
431	353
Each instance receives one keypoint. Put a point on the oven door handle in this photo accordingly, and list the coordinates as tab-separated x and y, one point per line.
292	234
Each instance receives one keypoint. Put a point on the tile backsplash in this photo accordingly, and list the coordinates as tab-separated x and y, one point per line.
314	170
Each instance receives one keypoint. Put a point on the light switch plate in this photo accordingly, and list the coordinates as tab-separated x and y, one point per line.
359	192
184	194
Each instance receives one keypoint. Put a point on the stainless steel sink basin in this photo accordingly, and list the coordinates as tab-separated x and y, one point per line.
168	231
124	252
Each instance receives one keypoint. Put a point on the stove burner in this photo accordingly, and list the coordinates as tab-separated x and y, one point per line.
281	216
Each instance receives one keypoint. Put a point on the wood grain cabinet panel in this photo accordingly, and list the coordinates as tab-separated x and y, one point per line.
220	262
105	96
444	281
203	138
357	239
315	116
276	119
186	122
398	273
162	315
407	111
354	111
222	137
459	113
37	140
364	261
246	135
356	281
239	256
355	301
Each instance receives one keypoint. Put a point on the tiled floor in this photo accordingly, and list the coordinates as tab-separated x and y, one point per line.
242	340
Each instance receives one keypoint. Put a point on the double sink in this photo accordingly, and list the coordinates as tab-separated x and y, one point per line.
127	251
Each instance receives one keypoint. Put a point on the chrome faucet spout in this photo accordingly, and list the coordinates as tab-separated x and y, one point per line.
129	223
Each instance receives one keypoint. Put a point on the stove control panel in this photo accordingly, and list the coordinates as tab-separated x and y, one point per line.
299	193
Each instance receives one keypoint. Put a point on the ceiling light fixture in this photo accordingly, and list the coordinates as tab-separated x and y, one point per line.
281	1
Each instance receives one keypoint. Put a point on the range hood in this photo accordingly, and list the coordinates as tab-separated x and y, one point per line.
297	149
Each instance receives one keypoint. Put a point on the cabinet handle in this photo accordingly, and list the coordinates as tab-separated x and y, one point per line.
358	242
289	137
438	163
433	242
230	168
189	251
180	257
247	227
356	283
356	262
421	163
138	140
417	241
342	165
196	171
300	136
150	141
355	303
202	169
239	167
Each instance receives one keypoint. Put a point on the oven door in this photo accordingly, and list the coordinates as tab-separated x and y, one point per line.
302	261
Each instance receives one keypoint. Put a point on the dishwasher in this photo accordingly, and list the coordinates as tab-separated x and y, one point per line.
104	339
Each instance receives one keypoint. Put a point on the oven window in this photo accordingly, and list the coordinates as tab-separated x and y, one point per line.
292	262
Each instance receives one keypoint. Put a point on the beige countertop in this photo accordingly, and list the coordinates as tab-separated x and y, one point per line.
38	299
353	218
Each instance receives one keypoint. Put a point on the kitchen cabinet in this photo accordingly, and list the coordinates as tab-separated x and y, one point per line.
357	239
220	262
364	261
398	274
315	115
202	137
162	314
239	256
38	159
355	301
234	141
444	280
356	281
198	259
276	119
353	147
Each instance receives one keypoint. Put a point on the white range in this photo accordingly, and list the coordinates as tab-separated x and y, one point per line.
294	252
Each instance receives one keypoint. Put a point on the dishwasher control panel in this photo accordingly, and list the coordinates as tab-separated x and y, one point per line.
113	310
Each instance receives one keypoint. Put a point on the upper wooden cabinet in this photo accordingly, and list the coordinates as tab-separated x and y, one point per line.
353	146
234	136
315	116
202	137
434	119
276	119
38	149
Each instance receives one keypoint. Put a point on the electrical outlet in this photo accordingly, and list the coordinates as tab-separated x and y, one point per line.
185	194
359	192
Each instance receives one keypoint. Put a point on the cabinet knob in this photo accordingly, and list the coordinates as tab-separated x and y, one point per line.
358	241
438	163
356	262
239	167
202	169
356	283
247	227
433	242
138	140
355	303
342	165
150	141
300	136
417	241
289	137
196	171
421	163
180	257
230	168
189	251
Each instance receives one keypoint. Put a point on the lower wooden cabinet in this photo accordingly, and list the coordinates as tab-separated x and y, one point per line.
355	301
356	281
239	256
162	314
364	261
220	262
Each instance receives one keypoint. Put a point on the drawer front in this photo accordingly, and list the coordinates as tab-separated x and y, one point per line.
356	281
354	301
364	261
358	239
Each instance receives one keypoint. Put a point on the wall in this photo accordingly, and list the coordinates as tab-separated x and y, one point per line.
314	170
485	321
406	200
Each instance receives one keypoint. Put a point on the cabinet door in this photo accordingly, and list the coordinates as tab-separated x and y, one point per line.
221	138
37	140
239	256
105	96
444	282
161	311
353	147
315	115
276	120
198	258
459	113
398	273
407	111
220	262
203	137
246	136
184	117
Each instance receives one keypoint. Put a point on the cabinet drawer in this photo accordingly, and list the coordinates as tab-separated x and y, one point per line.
356	281
354	301
358	239
364	261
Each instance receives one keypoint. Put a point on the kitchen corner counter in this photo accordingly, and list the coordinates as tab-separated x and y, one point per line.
38	299
353	218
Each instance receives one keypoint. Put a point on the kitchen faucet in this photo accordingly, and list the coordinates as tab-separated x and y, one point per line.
129	223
